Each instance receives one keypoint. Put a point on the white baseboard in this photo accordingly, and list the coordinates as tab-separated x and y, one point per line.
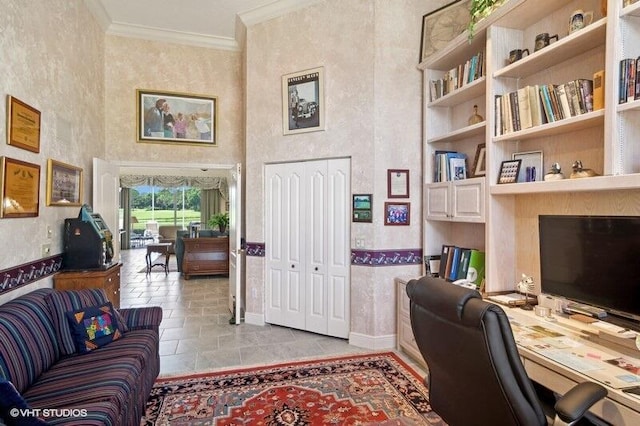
254	319
372	342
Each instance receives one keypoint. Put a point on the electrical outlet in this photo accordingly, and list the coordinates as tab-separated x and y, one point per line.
359	242
46	250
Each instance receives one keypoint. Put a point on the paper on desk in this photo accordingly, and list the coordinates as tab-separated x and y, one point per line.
615	330
571	360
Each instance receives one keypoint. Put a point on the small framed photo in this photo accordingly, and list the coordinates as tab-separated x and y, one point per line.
303	101
362	207
397	213
23	127
178	118
397	183
480	161
64	184
509	171
20	188
531	168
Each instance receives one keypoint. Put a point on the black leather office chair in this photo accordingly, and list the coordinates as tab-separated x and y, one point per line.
475	373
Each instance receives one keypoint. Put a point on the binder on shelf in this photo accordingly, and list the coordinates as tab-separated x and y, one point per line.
475	274
455	263
444	259
463	268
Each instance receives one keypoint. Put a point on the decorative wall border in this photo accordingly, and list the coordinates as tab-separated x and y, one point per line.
386	257
362	257
27	273
255	249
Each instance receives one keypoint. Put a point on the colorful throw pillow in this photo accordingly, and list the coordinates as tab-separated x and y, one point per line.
93	327
13	406
61	302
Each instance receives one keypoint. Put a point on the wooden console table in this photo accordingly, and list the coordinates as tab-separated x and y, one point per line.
163	250
205	256
108	279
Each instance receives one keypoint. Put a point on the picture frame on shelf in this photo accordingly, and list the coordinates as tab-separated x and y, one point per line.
20	188
23	125
64	184
177	118
442	25
531	167
398	183
509	170
397	214
480	161
303	106
362	208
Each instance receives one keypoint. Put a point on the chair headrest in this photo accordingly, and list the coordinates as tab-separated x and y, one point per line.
444	299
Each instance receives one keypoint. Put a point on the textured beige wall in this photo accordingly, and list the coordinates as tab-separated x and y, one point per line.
140	64
369	51
51	57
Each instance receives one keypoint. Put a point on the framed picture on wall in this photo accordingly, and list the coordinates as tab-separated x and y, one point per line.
362	207
303	105
20	188
64	184
23	125
178	118
397	183
397	213
442	25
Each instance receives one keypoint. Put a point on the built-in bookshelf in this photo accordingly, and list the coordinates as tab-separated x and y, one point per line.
500	218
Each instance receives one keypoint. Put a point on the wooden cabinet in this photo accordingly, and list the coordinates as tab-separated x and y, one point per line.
205	256
461	200
108	279
406	341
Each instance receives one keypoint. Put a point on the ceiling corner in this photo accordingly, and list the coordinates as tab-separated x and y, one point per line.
273	10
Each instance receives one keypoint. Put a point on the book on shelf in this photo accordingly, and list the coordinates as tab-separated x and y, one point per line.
457	77
534	105
628	80
598	90
447	163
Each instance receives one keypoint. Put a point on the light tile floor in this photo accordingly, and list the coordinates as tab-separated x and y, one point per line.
195	332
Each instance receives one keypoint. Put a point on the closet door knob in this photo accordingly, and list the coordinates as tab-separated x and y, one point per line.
316	268
293	266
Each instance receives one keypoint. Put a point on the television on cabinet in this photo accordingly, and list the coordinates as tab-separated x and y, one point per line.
592	260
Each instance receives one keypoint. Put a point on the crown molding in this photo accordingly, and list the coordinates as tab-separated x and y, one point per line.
273	10
98	12
171	36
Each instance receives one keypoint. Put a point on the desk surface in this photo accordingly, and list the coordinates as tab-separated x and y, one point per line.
563	352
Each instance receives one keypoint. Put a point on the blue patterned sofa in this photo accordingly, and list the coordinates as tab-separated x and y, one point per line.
71	380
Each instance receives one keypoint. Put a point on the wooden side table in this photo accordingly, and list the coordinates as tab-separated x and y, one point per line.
161	249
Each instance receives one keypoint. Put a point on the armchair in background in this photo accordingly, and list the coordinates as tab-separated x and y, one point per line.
475	372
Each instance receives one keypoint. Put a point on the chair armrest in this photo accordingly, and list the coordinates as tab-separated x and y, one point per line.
146	317
575	403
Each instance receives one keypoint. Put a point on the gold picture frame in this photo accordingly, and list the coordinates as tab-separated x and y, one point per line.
64	184
20	188
23	125
178	118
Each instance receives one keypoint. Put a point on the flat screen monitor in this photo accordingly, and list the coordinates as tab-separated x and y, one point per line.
592	260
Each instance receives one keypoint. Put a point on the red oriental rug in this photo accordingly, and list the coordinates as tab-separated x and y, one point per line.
373	389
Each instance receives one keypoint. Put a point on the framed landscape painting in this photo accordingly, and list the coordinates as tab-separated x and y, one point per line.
178	118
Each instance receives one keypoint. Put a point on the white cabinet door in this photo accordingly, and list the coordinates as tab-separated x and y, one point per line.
458	201
438	201
468	200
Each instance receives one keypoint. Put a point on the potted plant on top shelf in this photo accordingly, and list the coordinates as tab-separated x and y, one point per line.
221	220
479	10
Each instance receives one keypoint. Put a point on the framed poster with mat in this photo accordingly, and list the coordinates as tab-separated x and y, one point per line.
64	184
303	105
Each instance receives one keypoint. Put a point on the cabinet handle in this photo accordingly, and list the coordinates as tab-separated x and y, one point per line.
109	279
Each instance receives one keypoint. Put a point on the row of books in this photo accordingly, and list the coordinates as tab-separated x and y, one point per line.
449	165
457	77
458	263
629	89
535	105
